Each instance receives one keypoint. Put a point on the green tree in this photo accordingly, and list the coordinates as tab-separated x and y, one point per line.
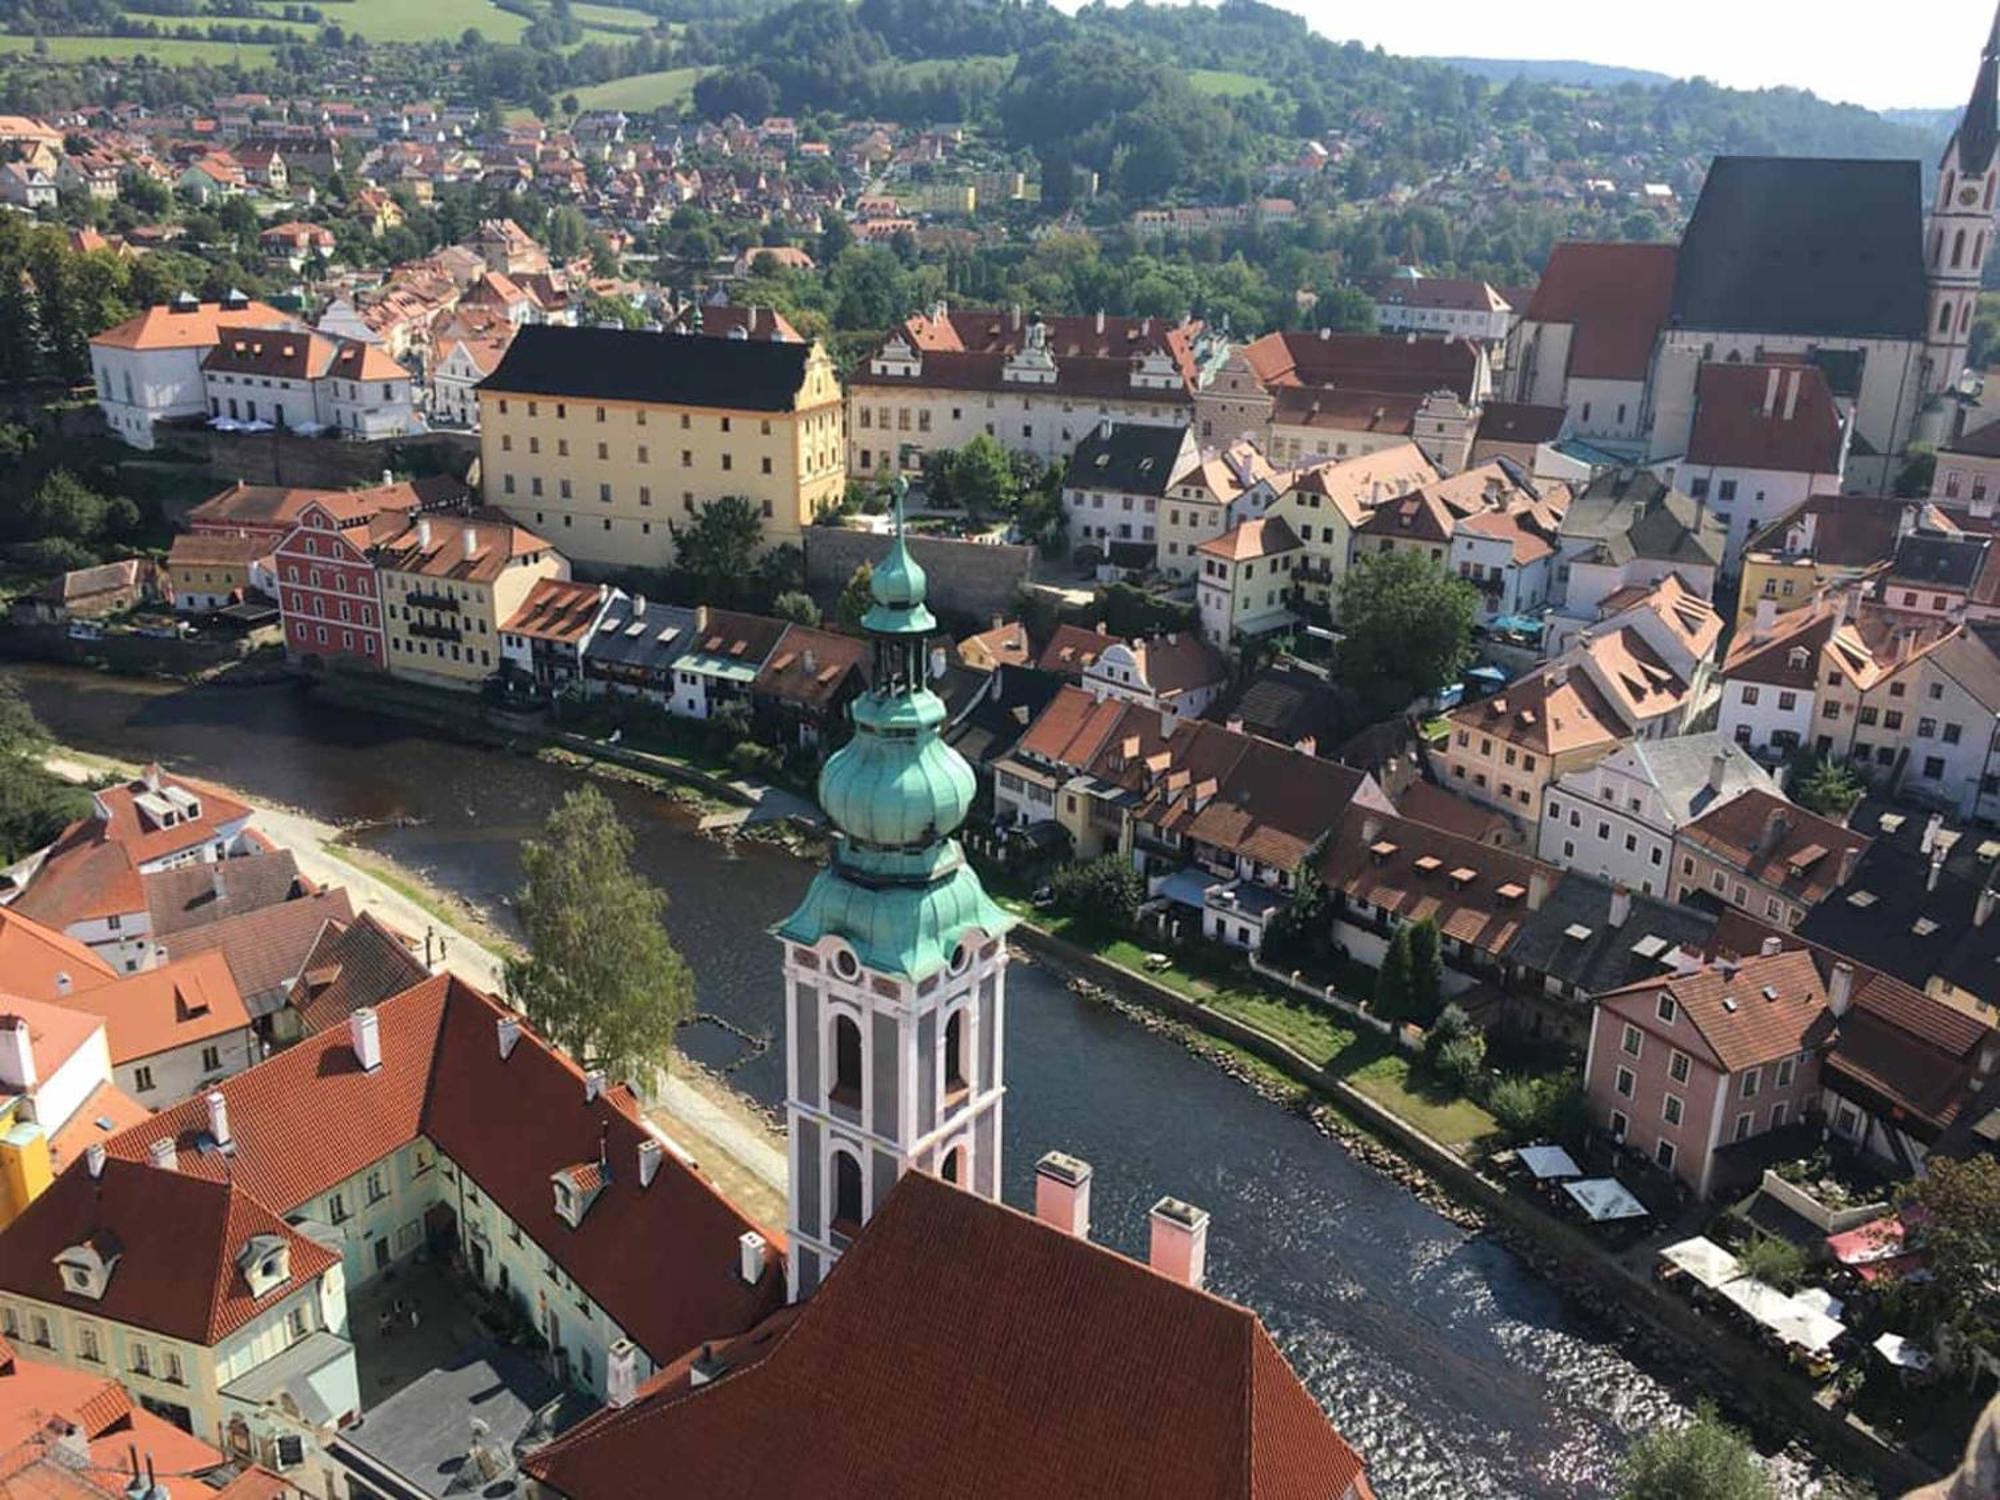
797	607
1957	1205
856	598
1531	1108
1103	893
1778	1262
715	554
1406	628
980	478
35	805
1426	970
1300	929
601	978
1705	1460
1392	980
1827	787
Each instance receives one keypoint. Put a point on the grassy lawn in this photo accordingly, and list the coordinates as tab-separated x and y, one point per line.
168	50
671	89
925	68
1225	84
613	17
433	21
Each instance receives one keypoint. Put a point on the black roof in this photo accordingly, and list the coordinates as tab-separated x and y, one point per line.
1947	562
1605	957
617	364
1130	458
1805	245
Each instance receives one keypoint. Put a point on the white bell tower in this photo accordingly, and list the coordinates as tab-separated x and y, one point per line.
1959	233
895	961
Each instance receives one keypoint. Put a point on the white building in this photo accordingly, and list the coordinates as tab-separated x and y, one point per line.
1116	484
306	382
1178	673
1618	818
1410	302
148	368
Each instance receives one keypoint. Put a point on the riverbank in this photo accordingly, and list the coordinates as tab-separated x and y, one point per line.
1660	1327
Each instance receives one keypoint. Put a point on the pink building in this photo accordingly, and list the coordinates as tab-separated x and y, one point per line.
1683	1065
328	596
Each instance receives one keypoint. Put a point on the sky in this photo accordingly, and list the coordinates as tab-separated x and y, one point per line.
1879	53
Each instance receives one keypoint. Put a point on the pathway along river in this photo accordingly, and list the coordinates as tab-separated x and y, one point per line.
1458	1372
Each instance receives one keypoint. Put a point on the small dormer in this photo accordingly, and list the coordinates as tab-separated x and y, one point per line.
266	1263
576	1188
86	1268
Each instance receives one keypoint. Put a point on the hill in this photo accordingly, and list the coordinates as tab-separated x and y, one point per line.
1572	72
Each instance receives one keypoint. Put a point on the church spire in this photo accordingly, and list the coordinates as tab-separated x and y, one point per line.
1979	131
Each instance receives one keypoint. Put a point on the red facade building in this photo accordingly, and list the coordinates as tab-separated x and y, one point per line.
328	595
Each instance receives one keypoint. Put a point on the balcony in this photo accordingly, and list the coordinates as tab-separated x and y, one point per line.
428	631
442	603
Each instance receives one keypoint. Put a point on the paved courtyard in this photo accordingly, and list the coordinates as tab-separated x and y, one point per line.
389	1353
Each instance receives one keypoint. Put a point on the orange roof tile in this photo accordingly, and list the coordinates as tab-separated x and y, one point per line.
178	1004
1750	1013
34	958
168	327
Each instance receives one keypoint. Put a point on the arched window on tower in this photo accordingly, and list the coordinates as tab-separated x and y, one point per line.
846	1062
1937	248
955	1081
952	1168
1965	318
846	1194
1958	250
1944	194
1991	178
1979	250
1944	318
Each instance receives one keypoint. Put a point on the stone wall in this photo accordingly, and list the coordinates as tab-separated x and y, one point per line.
129	654
969	581
316	462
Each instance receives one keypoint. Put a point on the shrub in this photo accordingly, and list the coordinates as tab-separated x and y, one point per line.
1458	1062
1103	892
1531	1108
1451	1024
1770	1259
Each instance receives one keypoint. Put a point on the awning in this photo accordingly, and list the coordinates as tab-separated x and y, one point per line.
1902	1353
1704	1260
1790	1319
1548	1161
1878	1239
1605	1199
1188	887
1518	625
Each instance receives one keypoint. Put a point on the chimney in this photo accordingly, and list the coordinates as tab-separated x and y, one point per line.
593	1084
216	883
1766	621
471	542
164	1154
1234	726
1982	909
218	1119
17	1054
1770	393
94	1157
1538	888
650	1154
1062	1194
621	1373
1774	829
1849	858
752	1253
1932	826
705	1368
366	1033
1180	1242
810	661
1792	394
1371	829
1937	868
388	478
1840	988
423	534
1100	320
509	1030
1772	946
1718	771
1621	904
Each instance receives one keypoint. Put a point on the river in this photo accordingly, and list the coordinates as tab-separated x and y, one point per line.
1459	1373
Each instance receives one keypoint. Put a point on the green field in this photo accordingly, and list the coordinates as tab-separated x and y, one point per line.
432	21
1225	85
931	67
614	18
643	91
169	50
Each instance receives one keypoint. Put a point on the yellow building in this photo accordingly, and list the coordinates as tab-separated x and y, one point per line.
212	570
598	438
448	582
1829	540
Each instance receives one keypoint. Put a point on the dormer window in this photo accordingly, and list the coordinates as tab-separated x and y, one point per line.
266	1263
86	1268
576	1188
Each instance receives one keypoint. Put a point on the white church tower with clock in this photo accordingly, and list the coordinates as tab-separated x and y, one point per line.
895	961
1960	231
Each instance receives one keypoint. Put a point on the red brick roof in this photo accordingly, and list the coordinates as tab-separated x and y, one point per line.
178	1235
35	1395
1616	296
1072	648
1071	1371
1778	844
809	666
659	1259
557	610
161	1009
1477	894
266	949
33	955
1265	537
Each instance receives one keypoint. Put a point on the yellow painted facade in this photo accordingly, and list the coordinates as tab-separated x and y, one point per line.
25	1168
602	479
446	631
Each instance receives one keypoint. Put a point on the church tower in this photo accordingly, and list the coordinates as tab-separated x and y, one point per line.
895	961
1960	230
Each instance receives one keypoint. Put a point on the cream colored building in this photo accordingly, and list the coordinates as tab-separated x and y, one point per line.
599	438
447	584
1226	488
1326	503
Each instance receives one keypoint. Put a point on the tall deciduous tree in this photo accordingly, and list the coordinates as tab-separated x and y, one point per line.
716	552
601	980
1705	1460
1426	970
1406	628
1957	1205
855	598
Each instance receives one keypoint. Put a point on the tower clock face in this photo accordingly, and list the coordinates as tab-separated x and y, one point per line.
1968	196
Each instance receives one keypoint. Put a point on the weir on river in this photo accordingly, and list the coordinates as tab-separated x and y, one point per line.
1456	1371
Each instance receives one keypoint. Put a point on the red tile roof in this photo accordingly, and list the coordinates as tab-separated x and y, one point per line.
1616	296
557	610
1779	845
1266	537
1477	894
266	949
196	328
1766	416
309	1118
809	667
34	957
159	1010
178	1235
1072	648
1072	1371
37	1396
1759	1011
351	965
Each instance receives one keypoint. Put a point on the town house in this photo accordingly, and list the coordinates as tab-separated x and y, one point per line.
1763	855
447	586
